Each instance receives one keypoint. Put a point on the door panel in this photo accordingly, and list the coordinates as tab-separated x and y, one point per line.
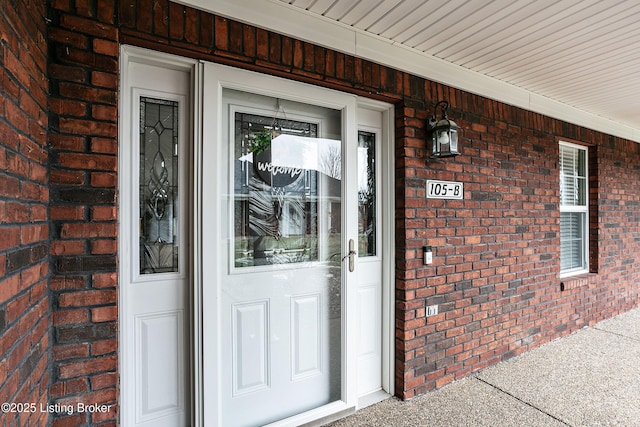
161	378
250	347
370	244
285	221
276	221
306	343
154	254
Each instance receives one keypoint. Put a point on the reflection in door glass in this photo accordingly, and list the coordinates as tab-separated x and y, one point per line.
366	194
158	183
287	188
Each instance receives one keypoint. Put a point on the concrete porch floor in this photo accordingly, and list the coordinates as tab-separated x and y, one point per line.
589	378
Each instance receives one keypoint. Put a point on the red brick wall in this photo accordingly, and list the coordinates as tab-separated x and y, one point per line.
83	69
24	232
495	274
496	253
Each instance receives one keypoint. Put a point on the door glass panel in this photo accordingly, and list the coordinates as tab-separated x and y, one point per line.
287	181
158	183
366	194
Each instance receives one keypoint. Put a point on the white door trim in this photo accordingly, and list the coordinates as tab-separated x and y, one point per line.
197	351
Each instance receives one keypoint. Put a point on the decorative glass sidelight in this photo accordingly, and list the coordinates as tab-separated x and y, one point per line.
158	184
281	168
366	194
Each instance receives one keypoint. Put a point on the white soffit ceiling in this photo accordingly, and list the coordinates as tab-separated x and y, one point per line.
576	60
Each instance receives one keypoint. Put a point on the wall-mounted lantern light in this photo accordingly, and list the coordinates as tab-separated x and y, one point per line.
444	133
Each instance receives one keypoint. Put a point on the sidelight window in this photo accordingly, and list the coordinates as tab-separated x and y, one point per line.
158	183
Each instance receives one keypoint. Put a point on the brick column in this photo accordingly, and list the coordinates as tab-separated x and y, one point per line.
24	196
83	140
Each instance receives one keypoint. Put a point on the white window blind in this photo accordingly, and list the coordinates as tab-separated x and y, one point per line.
574	209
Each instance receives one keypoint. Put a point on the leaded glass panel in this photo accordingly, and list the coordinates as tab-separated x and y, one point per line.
158	185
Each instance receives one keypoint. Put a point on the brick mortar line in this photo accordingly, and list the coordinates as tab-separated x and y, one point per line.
523	401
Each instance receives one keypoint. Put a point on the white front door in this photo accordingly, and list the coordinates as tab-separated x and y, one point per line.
252	286
279	212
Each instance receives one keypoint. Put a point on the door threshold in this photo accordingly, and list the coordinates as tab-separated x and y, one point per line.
372	398
317	417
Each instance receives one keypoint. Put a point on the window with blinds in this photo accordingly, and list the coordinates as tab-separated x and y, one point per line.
574	209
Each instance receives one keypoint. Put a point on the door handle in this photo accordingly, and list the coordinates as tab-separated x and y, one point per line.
351	255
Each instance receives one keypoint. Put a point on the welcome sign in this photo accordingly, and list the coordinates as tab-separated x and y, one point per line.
274	175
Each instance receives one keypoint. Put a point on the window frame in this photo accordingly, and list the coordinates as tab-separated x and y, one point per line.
584	209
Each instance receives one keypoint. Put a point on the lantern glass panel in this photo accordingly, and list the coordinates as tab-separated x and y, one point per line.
453	136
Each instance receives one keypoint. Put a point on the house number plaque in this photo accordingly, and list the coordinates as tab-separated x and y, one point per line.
444	190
